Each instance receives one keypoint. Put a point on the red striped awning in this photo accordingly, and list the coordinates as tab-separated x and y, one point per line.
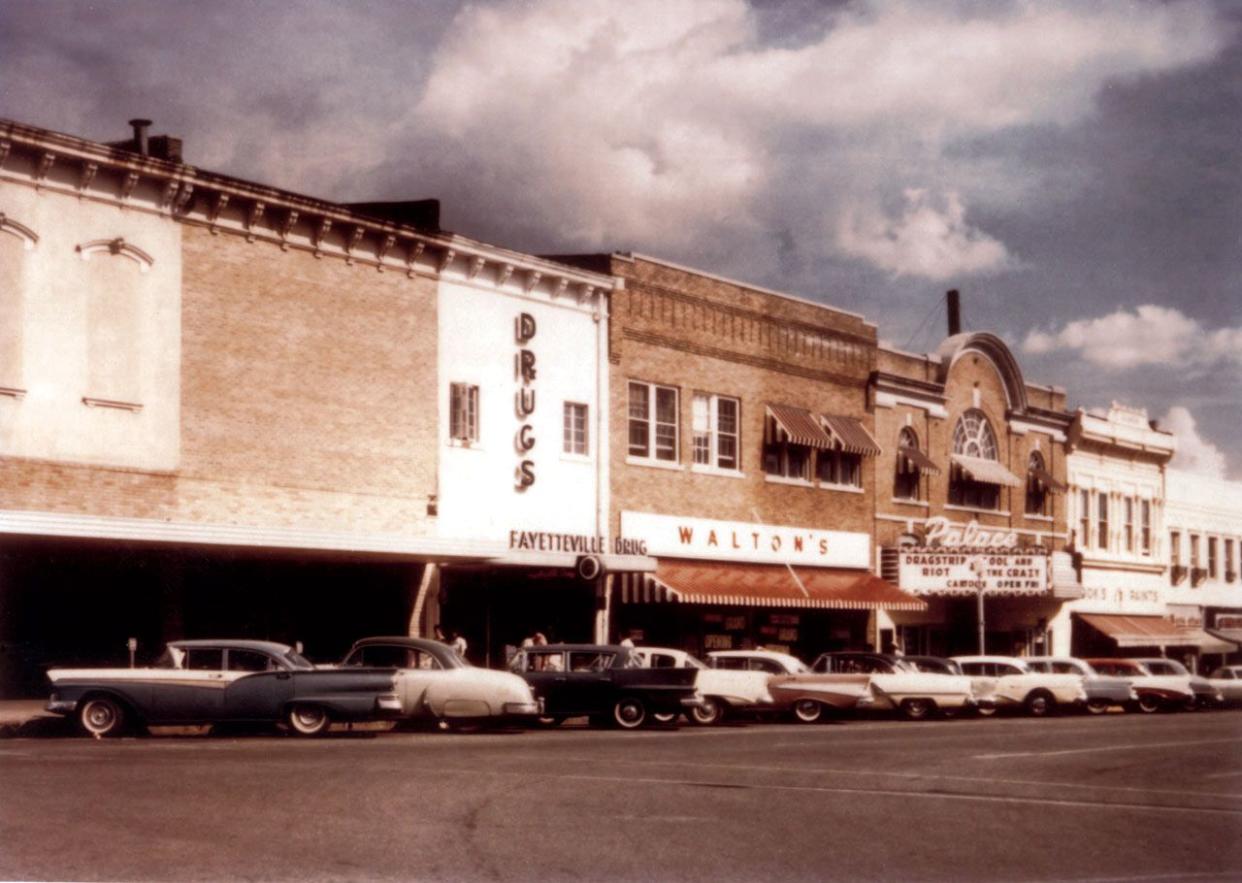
1137	631
850	435
799	426
765	585
918	459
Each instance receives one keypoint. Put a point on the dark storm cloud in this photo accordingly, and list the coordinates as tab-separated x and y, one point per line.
1059	162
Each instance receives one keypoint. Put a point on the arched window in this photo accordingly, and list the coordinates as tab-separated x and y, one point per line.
16	240
906	480
973	439
1036	489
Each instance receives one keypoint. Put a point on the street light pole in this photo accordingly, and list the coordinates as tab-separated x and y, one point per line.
979	566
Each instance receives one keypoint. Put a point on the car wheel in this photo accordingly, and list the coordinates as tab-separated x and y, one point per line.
101	716
629	713
917	709
808	711
1098	706
708	714
1040	704
308	720
1149	703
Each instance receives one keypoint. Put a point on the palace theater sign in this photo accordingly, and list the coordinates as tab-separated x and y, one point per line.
964	559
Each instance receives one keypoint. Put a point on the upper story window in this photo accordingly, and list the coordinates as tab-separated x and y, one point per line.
1194	551
575	439
716	431
1145	542
907	484
15	241
1230	573
839	467
1175	548
464	413
1101	522
976	476
1037	489
1084	519
790	435
1211	557
653	421
1128	526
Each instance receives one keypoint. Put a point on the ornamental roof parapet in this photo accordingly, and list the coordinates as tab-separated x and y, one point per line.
223	204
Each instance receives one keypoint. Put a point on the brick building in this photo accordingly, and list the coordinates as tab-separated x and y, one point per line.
743	460
970	510
223	407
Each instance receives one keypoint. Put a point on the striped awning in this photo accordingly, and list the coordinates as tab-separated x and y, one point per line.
1044	477
765	585
918	459
1139	631
799	426
986	470
850	435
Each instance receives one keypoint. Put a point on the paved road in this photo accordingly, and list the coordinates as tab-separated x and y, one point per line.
1119	798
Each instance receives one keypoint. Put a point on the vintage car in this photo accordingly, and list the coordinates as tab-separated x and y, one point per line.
606	682
934	664
1205	695
206	682
896	685
1009	683
807	694
1155	692
435	684
1102	692
1228	680
724	692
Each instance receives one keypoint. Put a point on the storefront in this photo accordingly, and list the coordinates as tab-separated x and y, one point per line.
722	585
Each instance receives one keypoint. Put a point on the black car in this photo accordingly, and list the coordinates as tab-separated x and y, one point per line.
606	682
205	682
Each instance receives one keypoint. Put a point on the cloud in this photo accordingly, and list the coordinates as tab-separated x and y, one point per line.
1151	335
926	240
1194	453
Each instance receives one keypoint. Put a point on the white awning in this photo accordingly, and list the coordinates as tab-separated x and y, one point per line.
986	470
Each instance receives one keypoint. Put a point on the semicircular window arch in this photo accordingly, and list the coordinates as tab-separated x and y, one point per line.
973	436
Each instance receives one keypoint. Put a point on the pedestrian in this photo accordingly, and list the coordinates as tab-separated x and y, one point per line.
437	632
458	644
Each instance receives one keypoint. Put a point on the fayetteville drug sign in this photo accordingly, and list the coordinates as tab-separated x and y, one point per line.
676	537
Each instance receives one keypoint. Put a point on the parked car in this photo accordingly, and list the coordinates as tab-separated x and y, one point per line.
1228	680
1155	692
794	686
435	683
724	692
606	682
1009	683
1102	692
898	686
933	664
1205	695
206	682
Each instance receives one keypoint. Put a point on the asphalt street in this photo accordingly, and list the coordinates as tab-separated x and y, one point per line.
1116	798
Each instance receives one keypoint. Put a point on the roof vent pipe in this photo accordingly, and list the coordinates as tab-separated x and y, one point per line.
141	146
955	311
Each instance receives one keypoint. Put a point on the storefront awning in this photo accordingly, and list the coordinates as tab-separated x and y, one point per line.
765	585
1233	636
919	459
986	470
1207	642
1139	631
800	426
1044	477
850	435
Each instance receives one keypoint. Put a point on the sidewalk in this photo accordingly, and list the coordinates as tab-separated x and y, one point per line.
20	715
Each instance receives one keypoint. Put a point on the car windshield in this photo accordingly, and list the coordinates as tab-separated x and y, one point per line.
297	661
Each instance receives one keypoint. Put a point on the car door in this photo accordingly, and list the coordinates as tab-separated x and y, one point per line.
588	684
544	670
195	692
259	686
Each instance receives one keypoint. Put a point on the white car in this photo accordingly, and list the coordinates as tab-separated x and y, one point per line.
897	686
795	687
1228	680
1009	682
1103	691
436	684
723	691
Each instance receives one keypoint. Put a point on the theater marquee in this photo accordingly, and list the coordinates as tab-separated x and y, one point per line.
950	571
676	537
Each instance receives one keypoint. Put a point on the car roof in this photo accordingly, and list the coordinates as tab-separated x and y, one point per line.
870	654
1008	659
741	654
590	648
645	649
1110	660
401	641
271	647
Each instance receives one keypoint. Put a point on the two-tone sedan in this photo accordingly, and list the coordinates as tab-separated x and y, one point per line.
1156	692
807	694
901	687
724	692
1010	683
1228	680
1103	692
435	684
210	682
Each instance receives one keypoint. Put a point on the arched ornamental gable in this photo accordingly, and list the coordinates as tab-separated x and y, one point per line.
995	351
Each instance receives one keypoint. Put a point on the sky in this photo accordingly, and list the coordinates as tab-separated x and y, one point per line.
1074	169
